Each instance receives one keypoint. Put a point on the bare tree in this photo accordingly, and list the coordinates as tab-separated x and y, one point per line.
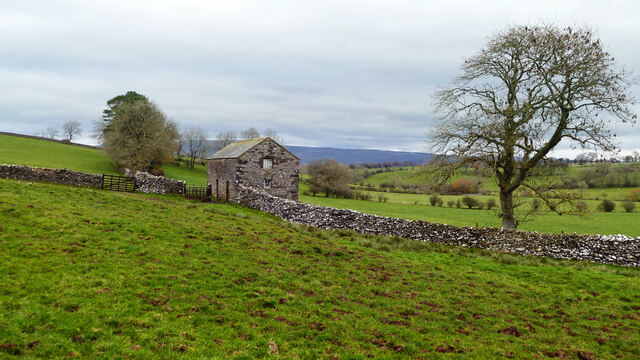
50	133
225	138
250	133
274	136
195	144
70	129
527	90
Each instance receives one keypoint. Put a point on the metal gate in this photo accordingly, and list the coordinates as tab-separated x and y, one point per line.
118	183
195	192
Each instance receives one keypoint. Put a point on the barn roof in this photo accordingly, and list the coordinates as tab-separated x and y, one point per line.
238	148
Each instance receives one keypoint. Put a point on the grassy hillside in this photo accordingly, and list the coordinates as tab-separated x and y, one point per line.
92	273
42	153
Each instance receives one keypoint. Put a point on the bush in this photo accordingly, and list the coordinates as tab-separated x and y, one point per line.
628	205
450	203
458	204
634	195
382	198
464	186
434	199
470	202
491	203
607	205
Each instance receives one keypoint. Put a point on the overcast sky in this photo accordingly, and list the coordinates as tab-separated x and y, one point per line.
349	74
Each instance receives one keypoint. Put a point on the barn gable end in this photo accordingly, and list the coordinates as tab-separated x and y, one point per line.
257	163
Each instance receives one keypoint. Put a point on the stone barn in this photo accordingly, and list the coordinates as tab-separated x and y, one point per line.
258	163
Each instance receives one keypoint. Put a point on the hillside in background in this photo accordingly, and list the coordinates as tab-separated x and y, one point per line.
308	154
356	156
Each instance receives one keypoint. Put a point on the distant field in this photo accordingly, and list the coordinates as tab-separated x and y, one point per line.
42	153
88	273
196	176
402	206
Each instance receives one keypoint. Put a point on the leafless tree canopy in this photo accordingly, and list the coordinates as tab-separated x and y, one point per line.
527	90
225	138
139	136
50	133
195	144
274	136
71	128
250	133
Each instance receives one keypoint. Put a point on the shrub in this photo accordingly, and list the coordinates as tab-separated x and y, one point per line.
480	204
607	205
450	203
464	186
491	203
628	205
469	201
458	204
382	198
434	200
634	195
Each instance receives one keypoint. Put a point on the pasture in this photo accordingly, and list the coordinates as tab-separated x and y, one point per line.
92	273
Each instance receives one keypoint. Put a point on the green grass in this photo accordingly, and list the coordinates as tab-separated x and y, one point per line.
195	176
41	153
97	274
402	206
16	150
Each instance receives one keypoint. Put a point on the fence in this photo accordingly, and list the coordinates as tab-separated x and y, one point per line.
197	192
118	183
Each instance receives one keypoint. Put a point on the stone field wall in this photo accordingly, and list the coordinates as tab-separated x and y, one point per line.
615	249
152	184
62	176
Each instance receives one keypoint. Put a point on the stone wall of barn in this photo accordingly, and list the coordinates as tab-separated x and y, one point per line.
222	174
614	249
283	175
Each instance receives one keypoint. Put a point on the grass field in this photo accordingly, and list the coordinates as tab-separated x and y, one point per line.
91	273
42	153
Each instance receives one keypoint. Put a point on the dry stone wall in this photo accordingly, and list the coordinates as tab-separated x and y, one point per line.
62	176
152	184
616	249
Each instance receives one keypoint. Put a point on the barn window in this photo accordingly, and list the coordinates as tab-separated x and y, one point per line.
267	183
267	163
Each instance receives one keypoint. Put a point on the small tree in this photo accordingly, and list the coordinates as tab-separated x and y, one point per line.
128	98
274	136
434	200
607	205
515	101
628	205
70	129
491	203
224	138
469	201
50	133
329	177
250	133
195	145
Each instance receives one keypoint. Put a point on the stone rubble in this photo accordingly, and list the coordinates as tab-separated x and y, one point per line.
608	249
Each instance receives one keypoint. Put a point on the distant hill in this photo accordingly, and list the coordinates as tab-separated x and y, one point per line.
308	154
355	156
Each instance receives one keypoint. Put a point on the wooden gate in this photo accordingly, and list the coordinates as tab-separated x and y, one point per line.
118	183
195	192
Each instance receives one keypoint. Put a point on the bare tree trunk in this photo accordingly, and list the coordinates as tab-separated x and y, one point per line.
506	213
